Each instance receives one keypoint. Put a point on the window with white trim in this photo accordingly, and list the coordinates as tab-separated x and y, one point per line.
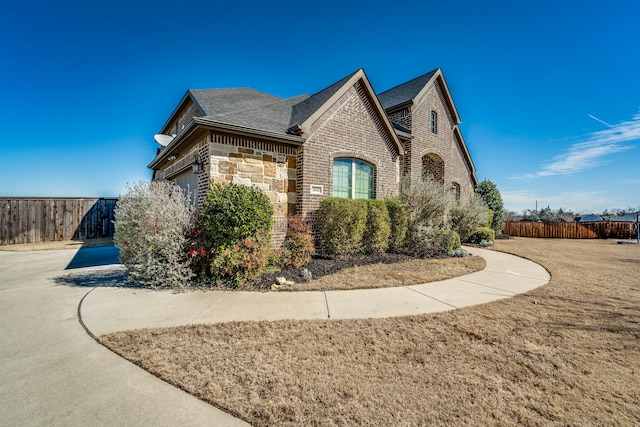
352	179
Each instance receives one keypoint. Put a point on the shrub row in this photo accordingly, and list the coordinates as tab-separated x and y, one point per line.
347	227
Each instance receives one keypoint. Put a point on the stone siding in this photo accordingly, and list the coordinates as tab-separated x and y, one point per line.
269	167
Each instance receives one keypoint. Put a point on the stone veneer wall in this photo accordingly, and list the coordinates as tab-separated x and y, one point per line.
270	167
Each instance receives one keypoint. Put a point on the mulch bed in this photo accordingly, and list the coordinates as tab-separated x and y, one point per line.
319	267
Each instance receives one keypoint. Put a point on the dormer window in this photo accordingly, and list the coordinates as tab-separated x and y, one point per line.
434	122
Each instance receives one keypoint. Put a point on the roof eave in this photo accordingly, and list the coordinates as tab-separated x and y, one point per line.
187	95
208	124
251	132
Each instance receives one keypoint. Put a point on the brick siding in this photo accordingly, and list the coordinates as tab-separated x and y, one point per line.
349	128
444	143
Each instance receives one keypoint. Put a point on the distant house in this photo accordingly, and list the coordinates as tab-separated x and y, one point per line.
588	218
631	217
344	141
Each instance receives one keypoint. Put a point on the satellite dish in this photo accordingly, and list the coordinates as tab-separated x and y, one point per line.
163	139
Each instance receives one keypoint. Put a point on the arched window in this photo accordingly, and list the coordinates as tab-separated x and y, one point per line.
352	179
433	167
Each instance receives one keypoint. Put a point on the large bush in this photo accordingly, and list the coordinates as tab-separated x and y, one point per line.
491	196
399	221
235	230
466	217
429	202
340	226
233	212
151	224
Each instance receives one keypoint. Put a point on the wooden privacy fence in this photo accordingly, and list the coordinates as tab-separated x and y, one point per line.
40	219
571	230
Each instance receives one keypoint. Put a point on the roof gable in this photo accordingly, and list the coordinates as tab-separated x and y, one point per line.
413	90
405	92
305	109
308	111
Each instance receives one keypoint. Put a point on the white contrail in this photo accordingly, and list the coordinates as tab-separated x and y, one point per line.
601	121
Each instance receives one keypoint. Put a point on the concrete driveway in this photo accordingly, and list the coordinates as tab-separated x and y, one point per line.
52	373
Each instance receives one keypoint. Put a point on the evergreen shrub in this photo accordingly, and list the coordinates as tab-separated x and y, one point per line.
466	217
375	239
399	222
233	212
340	226
481	234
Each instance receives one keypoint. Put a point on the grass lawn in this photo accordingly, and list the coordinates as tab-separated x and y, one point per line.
567	353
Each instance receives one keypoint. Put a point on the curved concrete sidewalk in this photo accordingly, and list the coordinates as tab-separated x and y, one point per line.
107	310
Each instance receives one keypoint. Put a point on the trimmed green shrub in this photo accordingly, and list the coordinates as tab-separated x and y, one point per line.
399	221
233	212
298	245
481	234
151	224
378	229
450	240
340	226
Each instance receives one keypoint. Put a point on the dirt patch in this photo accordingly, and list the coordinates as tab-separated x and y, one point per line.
53	246
563	354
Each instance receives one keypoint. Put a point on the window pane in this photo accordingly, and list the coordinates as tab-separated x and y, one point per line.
364	181
342	178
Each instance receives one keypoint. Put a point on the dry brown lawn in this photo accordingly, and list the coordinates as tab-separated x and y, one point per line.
567	353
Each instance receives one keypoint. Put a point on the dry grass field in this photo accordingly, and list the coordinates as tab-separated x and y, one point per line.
567	353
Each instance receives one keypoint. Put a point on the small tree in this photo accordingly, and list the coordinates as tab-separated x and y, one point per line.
151	224
491	196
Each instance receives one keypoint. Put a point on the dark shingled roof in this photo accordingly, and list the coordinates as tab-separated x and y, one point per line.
221	102
248	108
404	92
306	108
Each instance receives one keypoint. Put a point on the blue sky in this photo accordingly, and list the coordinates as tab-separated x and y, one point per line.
84	86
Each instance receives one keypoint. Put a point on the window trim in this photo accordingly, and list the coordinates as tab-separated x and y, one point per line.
353	172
